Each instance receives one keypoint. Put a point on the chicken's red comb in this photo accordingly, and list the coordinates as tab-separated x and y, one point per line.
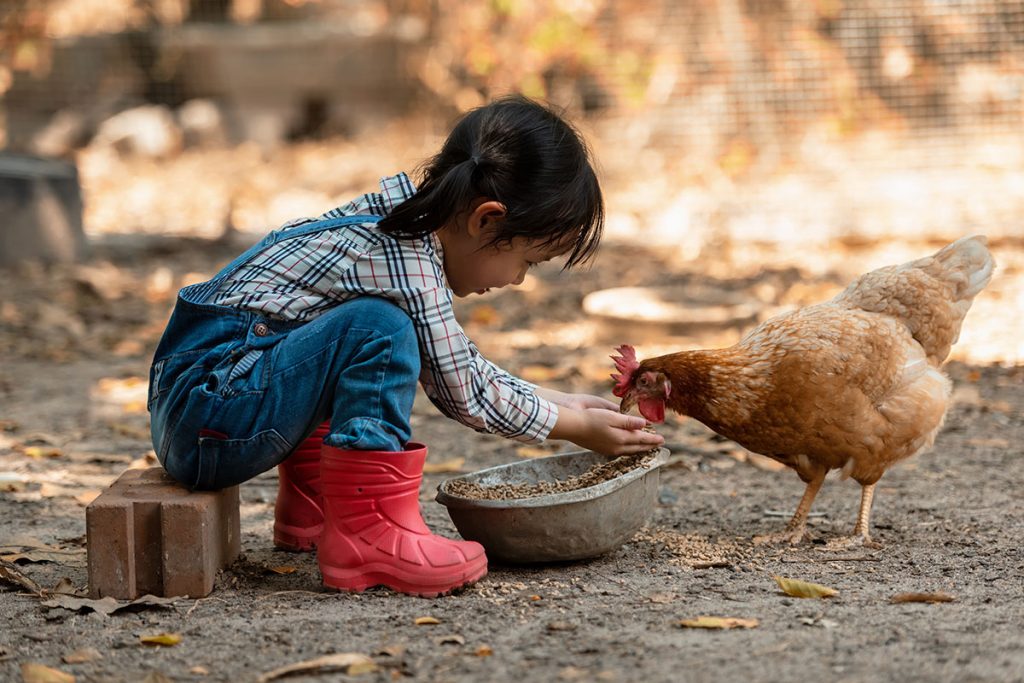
626	364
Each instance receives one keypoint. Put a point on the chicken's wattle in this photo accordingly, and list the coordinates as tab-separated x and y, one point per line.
652	408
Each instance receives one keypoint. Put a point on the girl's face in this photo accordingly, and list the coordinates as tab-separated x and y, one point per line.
474	266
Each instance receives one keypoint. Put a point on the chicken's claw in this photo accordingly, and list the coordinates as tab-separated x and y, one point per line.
784	537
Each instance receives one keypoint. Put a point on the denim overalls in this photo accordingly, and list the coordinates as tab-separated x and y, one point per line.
232	392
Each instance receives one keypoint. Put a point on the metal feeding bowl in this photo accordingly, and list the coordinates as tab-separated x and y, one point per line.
569	525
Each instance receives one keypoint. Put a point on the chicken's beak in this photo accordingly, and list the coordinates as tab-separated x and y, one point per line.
628	403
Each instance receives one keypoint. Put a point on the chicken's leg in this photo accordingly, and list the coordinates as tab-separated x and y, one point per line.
861	531
796	529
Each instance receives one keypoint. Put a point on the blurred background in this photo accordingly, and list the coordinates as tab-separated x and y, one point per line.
767	149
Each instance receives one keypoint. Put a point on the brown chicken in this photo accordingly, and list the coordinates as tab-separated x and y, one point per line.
851	384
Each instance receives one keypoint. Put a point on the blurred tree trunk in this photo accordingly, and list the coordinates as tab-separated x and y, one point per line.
41	202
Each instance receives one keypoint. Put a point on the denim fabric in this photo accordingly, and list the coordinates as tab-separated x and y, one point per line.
232	392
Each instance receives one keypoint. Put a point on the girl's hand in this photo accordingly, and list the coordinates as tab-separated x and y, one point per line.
605	431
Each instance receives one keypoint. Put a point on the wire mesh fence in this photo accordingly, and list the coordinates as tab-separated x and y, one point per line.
763	72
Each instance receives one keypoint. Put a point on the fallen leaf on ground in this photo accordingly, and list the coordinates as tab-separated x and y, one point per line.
450	639
282	570
533	452
28	549
86	497
937	596
88	654
426	621
10	574
40	452
484	651
352	663
199	671
804	589
452	465
108	605
166	639
719	623
37	673
65	586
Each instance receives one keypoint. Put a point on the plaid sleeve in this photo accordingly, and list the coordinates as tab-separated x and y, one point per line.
462	383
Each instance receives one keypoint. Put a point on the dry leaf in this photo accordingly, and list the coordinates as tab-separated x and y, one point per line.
88	654
937	596
804	589
199	671
65	586
28	549
352	663
108	605
541	374
533	452
452	465
37	673
484	651
43	452
86	497
484	315
719	623
131	431
166	639
10	574
426	621
450	639
282	569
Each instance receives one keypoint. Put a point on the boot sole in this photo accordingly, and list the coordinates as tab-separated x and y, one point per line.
296	539
377	574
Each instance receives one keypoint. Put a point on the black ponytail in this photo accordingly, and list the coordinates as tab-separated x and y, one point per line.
523	155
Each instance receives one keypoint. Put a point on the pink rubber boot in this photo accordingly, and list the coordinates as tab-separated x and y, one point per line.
298	513
374	533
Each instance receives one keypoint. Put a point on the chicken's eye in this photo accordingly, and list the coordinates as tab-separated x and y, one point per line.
644	380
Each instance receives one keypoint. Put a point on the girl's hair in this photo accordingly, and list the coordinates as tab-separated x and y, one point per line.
525	156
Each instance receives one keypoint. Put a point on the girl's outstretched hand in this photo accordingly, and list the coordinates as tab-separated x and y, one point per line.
605	431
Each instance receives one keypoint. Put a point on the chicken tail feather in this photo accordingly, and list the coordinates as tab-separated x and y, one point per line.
931	296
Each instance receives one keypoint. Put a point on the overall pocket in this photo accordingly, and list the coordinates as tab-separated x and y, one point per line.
225	462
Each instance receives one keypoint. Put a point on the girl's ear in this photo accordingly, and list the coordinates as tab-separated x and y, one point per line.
483	216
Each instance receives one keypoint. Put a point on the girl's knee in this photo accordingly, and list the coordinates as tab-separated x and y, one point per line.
389	322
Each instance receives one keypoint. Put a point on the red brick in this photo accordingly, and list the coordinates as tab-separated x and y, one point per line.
148	534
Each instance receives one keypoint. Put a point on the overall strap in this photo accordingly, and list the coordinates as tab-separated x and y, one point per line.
199	293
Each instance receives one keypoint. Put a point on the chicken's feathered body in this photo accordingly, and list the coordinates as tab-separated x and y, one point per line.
852	383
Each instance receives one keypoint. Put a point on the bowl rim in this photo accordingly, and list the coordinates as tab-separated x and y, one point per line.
587	493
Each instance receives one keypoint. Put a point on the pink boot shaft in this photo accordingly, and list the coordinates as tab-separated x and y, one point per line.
374	533
298	514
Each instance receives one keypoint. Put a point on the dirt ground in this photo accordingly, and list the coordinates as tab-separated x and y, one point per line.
77	342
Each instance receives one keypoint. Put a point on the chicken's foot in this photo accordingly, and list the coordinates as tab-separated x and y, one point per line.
796	528
861	534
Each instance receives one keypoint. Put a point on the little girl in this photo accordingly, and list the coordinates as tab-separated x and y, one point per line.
305	351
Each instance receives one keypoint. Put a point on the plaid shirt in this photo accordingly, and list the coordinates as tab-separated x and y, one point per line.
298	279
